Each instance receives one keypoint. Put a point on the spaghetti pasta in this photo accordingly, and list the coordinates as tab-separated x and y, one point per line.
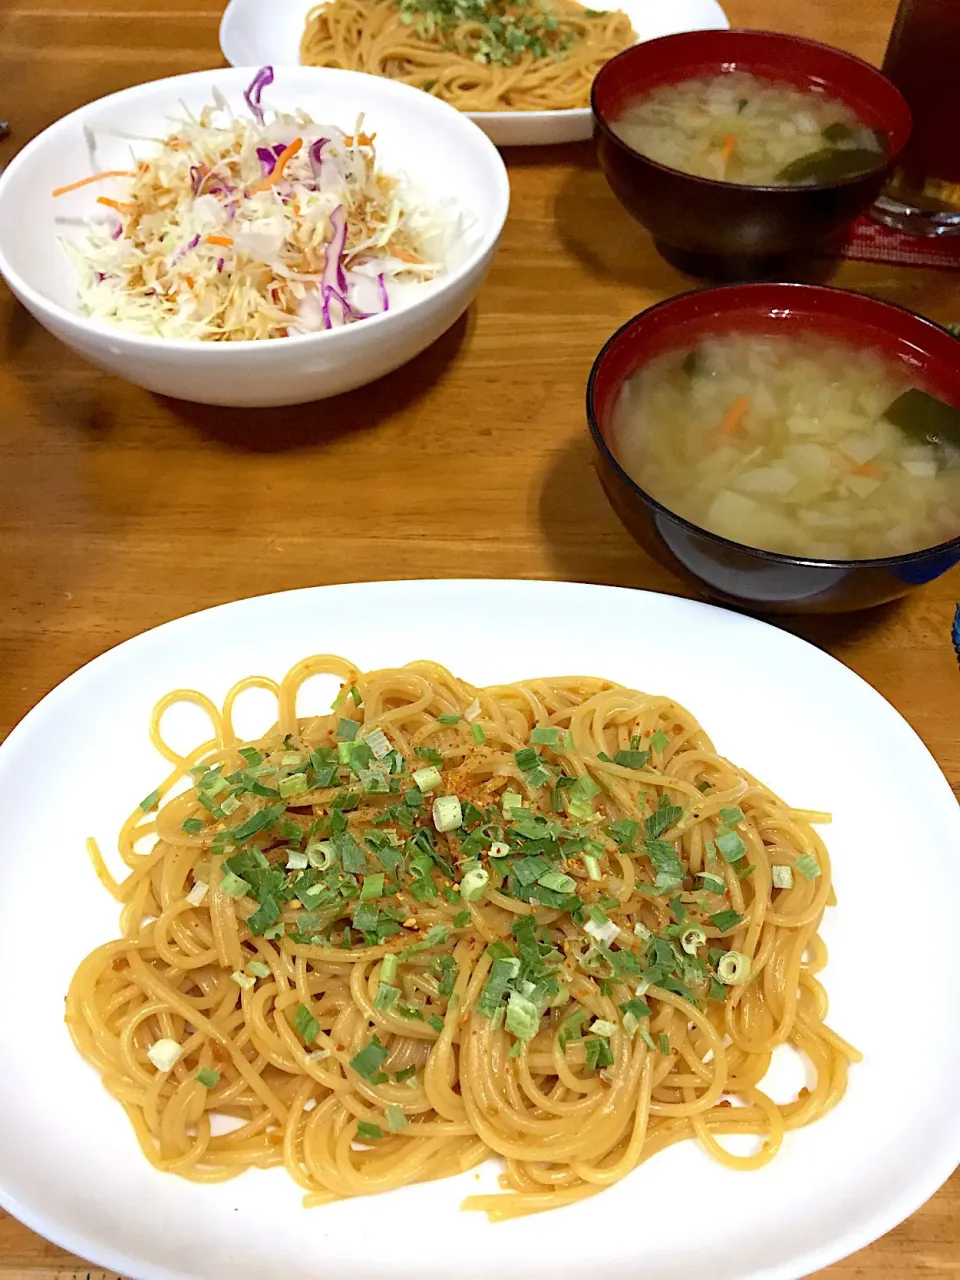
485	55
544	921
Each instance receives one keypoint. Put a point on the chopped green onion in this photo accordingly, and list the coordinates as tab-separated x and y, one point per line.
295	785
164	1054
545	735
369	1131
229	804
258	969
808	866
659	742
151	801
306	1024
477	734
378	742
396	1120
427	779
369	1060
209	1079
461	919
664	1043
523	1016
636	1007
197	893
386	997
730	845
782	877
592	865
242	980
447	813
725	920
602	930
297	860
347	729
631	759
733	967
388	967
321	855
445	719
598	1053
509	801
580	797
692	938
499	849
557	881
712	884
372	887
233	886
473	884
192	826
731	816
600	1027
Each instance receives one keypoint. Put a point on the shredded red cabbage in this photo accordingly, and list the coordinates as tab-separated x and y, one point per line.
183	250
383	292
349	313
252	95
268	161
334	276
316	158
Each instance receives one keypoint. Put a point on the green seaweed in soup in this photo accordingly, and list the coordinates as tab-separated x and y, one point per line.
794	444
740	128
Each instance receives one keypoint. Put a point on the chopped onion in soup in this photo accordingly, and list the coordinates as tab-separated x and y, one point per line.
799	445
739	128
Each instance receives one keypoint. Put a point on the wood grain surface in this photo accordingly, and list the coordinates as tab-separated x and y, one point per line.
120	509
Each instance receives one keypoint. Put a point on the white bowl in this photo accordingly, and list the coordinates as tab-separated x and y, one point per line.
253	33
445	156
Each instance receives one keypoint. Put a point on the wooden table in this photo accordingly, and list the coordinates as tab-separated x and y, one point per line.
120	510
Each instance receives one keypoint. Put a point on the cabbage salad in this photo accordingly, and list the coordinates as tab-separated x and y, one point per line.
255	227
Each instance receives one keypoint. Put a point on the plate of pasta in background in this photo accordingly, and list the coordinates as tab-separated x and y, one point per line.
522	69
377	928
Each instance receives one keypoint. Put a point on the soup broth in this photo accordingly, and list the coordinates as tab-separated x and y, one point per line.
784	443
739	128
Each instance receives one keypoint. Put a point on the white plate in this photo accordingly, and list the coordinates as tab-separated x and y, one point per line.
69	1164
253	33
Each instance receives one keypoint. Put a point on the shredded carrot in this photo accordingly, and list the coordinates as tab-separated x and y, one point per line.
116	204
732	419
94	177
189	280
728	148
406	256
283	159
362	139
868	469
225	241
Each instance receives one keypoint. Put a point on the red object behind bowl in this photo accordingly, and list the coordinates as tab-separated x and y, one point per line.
931	355
807	64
